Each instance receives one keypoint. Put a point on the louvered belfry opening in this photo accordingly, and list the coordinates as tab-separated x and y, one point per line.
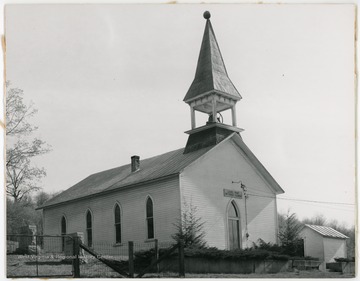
211	92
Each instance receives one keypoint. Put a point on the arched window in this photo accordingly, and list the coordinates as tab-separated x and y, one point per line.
117	214
150	218
89	228
63	232
234	226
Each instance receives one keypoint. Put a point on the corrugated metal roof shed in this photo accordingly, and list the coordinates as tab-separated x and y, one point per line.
327	231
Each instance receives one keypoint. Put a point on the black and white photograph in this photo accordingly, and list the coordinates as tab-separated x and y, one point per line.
180	140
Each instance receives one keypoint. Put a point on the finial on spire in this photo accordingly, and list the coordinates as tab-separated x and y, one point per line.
207	15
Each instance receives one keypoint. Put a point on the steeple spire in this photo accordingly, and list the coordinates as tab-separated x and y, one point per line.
211	74
211	92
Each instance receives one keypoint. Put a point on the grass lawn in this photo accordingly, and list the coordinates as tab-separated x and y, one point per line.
25	266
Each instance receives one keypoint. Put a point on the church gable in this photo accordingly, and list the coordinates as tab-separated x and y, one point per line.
227	160
256	164
228	163
214	181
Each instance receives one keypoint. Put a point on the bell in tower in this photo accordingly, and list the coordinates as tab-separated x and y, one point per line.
211	92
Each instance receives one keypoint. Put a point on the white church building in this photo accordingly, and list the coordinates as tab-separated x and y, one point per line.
142	200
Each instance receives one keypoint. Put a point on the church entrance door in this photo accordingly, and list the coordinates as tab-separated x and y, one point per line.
234	226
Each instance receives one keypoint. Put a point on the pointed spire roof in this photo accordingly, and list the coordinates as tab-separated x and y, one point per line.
211	74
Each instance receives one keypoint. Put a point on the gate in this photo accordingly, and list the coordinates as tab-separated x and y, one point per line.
38	256
129	260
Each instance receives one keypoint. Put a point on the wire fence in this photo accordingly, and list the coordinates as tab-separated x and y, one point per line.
118	254
36	256
90	266
54	256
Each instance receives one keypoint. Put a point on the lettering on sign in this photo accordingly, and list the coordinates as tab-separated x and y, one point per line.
232	193
228	193
238	194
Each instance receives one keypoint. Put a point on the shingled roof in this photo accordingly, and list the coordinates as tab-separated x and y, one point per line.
211	74
157	167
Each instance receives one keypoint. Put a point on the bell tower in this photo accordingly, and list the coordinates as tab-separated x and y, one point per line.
211	92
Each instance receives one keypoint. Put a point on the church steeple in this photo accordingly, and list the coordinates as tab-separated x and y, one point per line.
211	92
211	74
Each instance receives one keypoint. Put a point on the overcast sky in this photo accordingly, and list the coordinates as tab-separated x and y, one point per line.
109	80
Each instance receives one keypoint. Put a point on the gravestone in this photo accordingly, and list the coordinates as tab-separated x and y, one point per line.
69	242
26	238
69	246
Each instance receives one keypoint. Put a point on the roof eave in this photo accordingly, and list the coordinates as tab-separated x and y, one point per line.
237	98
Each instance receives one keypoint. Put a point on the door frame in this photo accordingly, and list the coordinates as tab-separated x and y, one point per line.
238	218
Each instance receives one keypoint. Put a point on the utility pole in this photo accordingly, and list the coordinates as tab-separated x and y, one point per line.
243	187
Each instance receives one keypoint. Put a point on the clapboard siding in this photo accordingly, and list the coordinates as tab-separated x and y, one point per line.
202	184
334	248
262	222
166	199
313	243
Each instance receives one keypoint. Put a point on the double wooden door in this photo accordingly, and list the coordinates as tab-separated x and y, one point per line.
234	227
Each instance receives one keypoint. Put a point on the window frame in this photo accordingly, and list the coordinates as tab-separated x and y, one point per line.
117	224
150	219
63	218
89	229
233	204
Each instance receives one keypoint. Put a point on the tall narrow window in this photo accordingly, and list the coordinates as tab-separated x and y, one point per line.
89	228
63	232
149	218
234	226
117	224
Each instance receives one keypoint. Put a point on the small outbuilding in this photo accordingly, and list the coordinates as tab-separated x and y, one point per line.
323	242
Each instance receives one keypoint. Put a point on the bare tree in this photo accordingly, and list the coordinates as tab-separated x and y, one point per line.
318	219
41	197
22	178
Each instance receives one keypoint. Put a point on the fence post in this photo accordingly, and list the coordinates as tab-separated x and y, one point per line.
131	259
181	259
76	260
157	255
36	251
